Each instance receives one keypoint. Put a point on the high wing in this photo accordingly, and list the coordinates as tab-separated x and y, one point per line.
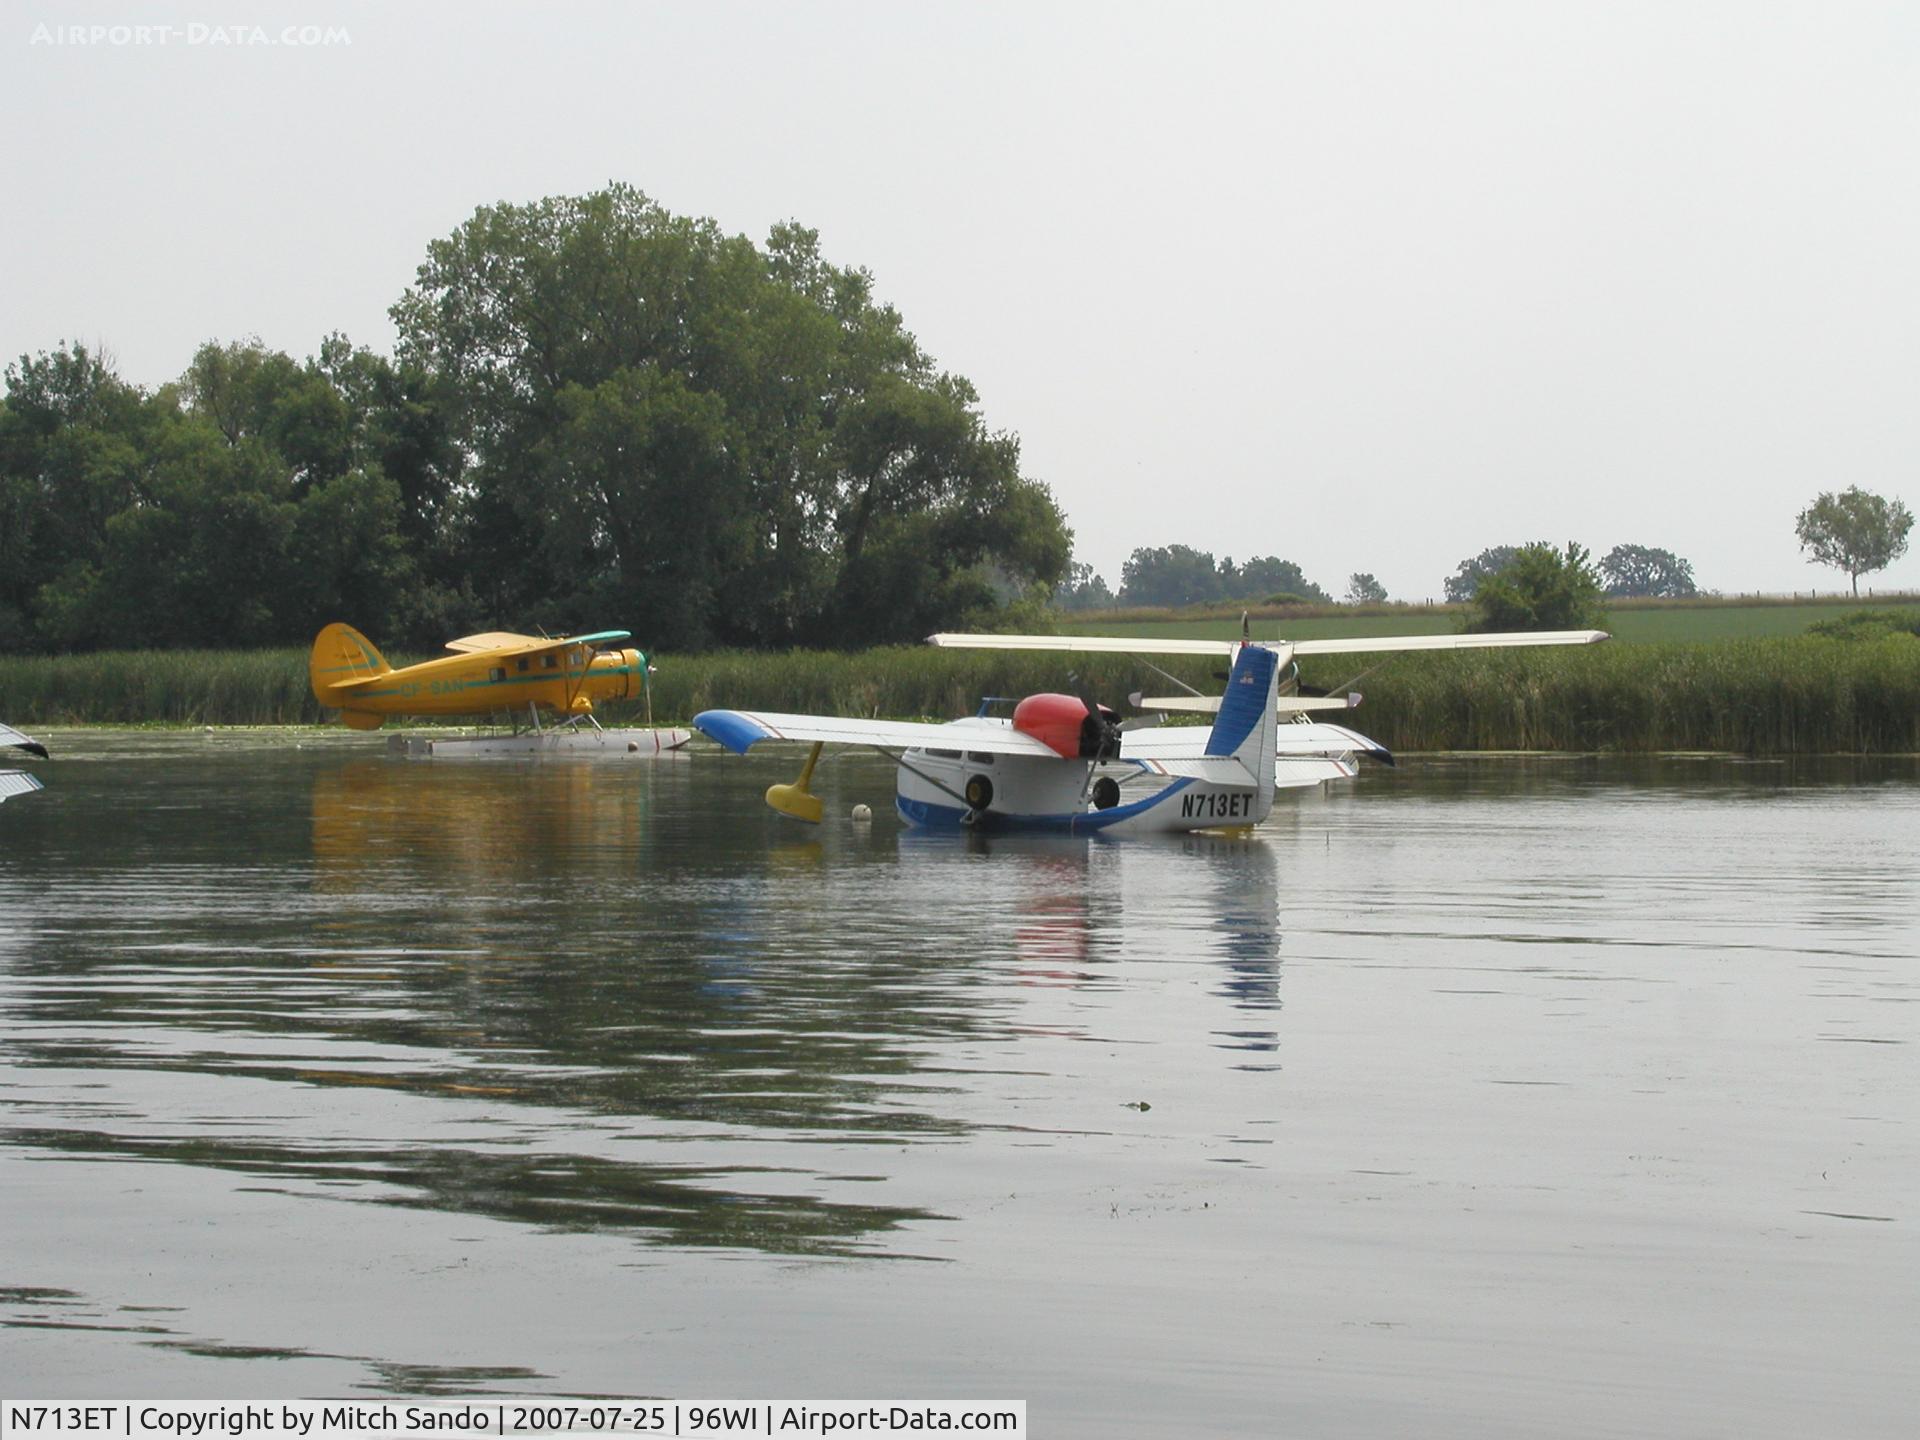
490	640
740	730
1492	640
1348	645
505	642
1104	644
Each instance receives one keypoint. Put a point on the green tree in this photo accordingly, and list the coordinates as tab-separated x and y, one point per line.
1540	588
74	446
1170	575
1268	575
1854	531
674	429
1465	580
1083	589
1363	589
1639	570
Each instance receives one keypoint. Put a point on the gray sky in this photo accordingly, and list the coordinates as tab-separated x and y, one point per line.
1367	286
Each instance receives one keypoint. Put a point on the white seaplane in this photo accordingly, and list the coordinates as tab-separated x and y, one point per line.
1064	763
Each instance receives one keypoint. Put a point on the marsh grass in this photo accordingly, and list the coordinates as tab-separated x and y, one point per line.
1788	696
1802	695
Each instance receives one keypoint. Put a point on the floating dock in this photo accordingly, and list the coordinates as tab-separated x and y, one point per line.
565	741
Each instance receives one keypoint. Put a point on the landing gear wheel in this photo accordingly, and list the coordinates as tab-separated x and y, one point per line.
1106	793
979	792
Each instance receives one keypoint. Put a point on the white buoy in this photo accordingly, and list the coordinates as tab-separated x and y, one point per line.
861	812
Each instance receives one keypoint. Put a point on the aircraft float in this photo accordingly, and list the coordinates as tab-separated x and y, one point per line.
488	674
1065	763
19	782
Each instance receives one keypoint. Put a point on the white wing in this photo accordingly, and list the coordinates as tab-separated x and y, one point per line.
1361	644
1104	644
740	730
1349	645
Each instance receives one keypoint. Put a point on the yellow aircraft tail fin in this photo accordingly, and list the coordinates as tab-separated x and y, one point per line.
342	655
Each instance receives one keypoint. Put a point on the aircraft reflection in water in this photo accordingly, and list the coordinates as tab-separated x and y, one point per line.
555	946
483	823
605	994
1063	901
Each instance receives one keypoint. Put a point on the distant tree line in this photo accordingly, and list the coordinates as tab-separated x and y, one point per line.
1176	575
1624	571
600	414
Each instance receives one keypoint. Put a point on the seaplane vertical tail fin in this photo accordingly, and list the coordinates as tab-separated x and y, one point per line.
342	655
1246	726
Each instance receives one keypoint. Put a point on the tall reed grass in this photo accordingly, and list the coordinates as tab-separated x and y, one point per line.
1787	696
1802	695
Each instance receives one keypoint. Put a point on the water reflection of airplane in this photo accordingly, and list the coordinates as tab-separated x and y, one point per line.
370	814
1076	909
19	782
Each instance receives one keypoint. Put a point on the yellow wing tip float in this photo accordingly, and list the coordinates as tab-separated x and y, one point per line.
796	800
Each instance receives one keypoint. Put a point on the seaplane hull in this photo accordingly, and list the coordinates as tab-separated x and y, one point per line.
1033	794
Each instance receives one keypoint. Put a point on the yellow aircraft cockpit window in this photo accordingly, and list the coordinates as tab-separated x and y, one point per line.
550	660
521	665
497	673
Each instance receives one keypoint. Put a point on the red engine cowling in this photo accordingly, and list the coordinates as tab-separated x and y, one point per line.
1056	721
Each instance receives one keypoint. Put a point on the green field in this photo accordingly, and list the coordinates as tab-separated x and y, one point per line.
1631	623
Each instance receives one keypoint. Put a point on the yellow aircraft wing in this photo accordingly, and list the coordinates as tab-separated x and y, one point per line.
505	642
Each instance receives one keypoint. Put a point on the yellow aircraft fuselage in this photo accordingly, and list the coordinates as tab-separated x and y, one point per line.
487	674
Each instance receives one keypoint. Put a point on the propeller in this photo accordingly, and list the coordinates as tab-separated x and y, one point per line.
1101	730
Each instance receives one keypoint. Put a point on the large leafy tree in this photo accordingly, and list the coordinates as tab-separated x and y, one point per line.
1639	570
1540	588
1854	531
75	442
1465	580
1169	575
1176	575
247	504
674	429
1267	575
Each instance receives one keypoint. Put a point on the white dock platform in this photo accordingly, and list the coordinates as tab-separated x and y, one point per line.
572	742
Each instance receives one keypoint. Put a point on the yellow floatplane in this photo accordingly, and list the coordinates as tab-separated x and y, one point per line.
496	673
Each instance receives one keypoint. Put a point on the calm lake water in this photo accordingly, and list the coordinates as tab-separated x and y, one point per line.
1477	1098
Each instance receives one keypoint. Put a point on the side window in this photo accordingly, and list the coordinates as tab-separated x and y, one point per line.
497	673
521	664
550	660
976	758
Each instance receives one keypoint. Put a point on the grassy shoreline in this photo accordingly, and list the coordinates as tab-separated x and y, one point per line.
1801	695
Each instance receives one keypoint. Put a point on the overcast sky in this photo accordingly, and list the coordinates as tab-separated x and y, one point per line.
1365	286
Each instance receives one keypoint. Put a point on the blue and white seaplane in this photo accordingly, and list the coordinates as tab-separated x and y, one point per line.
1064	763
